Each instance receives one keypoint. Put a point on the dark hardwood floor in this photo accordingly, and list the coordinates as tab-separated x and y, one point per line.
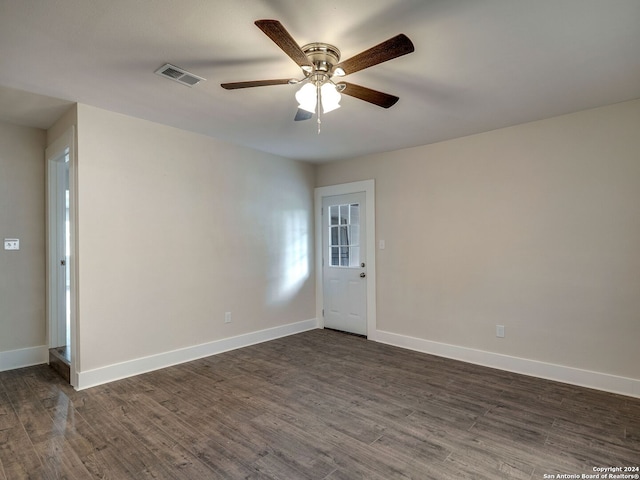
318	405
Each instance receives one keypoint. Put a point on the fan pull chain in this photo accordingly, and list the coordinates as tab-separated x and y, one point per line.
318	106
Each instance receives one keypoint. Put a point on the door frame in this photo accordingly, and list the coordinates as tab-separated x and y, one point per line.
52	153
368	187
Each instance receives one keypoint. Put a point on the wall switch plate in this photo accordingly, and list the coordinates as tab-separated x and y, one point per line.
500	331
381	244
11	244
227	317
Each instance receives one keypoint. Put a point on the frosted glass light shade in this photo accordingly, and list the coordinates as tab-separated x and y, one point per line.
330	97
307	98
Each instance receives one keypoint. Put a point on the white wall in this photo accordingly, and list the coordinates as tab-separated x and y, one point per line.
175	229
22	273
535	227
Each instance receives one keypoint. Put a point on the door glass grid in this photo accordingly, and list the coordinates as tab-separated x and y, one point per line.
344	235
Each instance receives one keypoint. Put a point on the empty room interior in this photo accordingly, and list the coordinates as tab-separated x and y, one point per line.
273	239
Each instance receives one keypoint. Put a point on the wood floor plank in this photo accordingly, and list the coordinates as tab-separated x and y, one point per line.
480	466
509	430
380	462
120	447
302	452
30	412
19	458
8	418
60	460
215	440
593	449
24	422
419	444
148	420
73	448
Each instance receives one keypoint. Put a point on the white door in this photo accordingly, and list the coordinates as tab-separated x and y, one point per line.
59	301
343	259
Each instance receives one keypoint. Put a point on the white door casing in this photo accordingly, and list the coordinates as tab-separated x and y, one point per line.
368	234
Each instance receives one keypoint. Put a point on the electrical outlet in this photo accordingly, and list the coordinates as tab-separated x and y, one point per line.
11	244
227	317
500	331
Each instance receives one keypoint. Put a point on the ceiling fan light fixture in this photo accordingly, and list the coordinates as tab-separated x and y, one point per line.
319	63
307	97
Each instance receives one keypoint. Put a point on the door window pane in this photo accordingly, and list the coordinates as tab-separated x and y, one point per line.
355	234
344	214
344	235
335	255
334	213
334	239
344	256
354	214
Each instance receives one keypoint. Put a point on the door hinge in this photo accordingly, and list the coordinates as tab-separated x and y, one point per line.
321	210
323	312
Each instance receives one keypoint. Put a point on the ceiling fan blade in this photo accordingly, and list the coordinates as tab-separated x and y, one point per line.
302	115
381	99
393	48
254	83
279	35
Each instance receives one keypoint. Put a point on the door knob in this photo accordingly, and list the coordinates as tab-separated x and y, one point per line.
362	275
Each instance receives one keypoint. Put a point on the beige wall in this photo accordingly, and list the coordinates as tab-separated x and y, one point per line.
175	229
535	227
64	123
22	215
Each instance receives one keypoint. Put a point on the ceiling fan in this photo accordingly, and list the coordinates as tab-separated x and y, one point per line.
320	64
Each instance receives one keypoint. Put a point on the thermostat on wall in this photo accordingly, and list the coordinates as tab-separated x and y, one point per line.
12	244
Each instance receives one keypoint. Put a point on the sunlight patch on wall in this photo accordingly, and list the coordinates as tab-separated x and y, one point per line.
291	251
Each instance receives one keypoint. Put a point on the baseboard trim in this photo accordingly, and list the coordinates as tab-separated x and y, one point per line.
549	371
24	357
110	373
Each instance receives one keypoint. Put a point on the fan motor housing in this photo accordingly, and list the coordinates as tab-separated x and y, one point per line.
323	56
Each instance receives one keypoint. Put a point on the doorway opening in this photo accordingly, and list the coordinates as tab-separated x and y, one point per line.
60	281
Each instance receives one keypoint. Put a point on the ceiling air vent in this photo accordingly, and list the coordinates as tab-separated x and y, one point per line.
179	75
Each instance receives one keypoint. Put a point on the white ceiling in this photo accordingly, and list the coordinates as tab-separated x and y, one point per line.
478	65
